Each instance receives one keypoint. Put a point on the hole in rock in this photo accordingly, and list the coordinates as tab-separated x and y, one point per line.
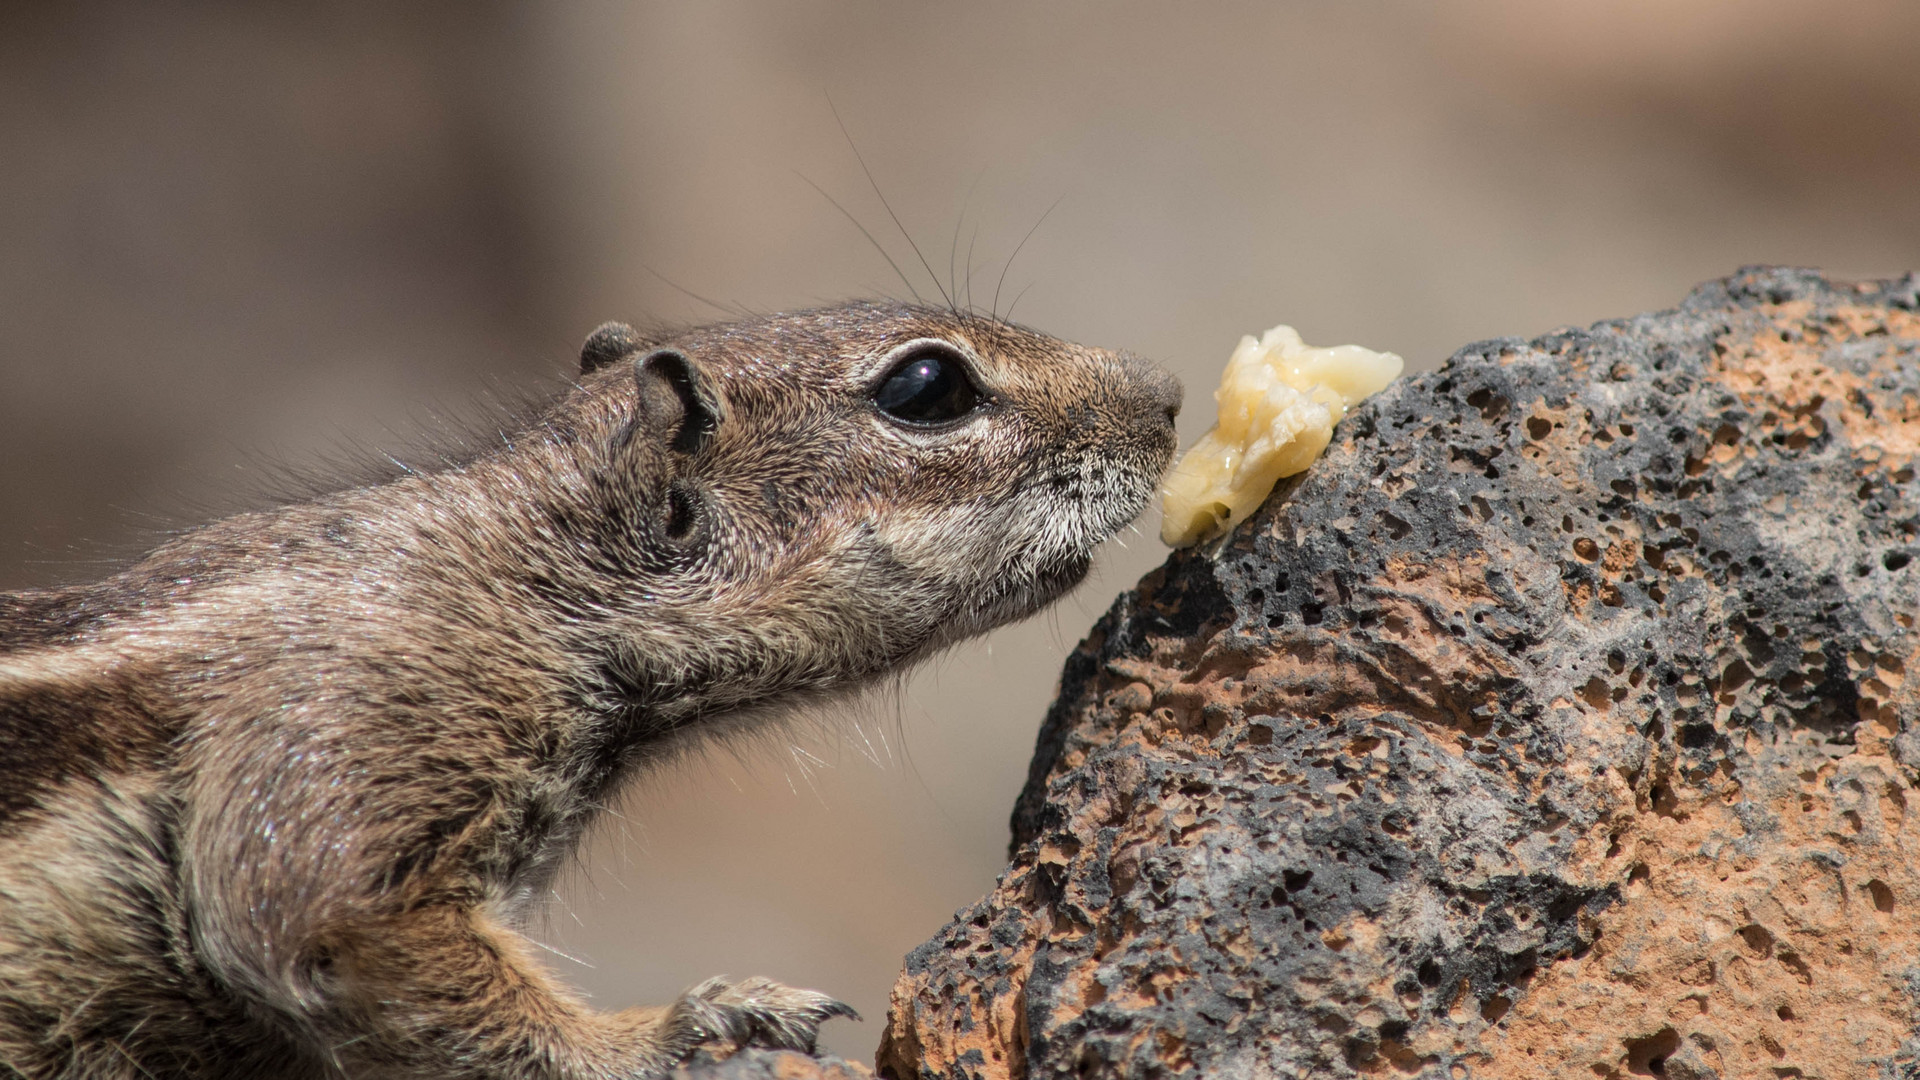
1648	1056
1758	939
1490	404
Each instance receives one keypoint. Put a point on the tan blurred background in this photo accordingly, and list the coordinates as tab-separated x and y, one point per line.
239	236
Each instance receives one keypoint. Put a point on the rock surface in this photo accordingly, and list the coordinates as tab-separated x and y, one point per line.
1554	724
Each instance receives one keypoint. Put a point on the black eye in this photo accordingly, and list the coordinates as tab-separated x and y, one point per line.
927	388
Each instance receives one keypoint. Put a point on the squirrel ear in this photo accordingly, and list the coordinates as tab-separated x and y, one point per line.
677	400
609	343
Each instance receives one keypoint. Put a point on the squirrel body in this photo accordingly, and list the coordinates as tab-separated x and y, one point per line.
274	799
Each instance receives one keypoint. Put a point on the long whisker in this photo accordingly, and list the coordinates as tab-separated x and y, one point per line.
857	156
970	242
1016	301
684	291
953	249
953	252
1016	254
863	232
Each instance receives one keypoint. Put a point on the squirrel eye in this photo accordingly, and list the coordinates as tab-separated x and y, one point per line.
927	388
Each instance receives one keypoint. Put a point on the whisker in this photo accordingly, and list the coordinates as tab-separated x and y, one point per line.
543	945
953	249
1015	255
857	156
1016	302
863	232
867	750
561	903
684	291
970	269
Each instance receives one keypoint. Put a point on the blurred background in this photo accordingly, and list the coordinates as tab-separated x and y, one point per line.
238	237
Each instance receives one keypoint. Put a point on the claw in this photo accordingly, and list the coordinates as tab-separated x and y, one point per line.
754	1012
841	1009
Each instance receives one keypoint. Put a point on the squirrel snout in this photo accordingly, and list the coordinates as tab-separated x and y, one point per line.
1162	392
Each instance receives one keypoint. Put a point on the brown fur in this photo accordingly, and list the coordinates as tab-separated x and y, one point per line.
274	799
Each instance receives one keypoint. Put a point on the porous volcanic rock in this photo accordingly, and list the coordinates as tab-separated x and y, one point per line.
1555	723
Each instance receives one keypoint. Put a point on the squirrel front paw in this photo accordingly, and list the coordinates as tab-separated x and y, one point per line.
753	1012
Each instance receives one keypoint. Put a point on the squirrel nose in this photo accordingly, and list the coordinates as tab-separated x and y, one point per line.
1157	385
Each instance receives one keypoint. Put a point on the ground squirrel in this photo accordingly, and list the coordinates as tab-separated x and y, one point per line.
274	799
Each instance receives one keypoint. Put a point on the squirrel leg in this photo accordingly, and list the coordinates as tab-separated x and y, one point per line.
441	991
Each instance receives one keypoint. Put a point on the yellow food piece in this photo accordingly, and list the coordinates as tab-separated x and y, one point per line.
1279	399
